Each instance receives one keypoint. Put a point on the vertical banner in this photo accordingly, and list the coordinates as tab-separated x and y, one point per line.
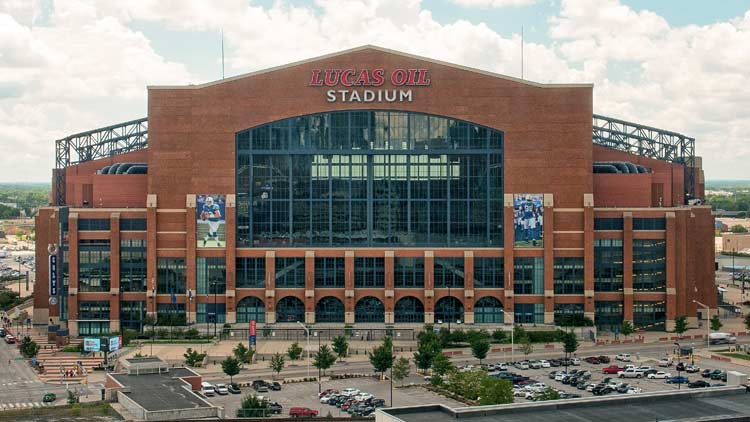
53	276
211	221
252	333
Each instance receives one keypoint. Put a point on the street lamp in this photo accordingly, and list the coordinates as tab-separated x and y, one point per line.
307	334
679	354
708	322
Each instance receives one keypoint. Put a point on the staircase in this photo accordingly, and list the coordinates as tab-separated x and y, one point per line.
53	359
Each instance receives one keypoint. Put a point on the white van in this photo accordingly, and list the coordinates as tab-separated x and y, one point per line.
721	338
207	389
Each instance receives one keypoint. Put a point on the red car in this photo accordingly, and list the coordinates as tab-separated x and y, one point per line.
302	412
10	339
612	369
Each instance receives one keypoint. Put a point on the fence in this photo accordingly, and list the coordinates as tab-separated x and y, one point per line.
325	334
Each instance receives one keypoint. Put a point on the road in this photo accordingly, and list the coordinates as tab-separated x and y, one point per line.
652	351
19	386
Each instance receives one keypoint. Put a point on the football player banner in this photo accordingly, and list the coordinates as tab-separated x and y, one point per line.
528	220
211	221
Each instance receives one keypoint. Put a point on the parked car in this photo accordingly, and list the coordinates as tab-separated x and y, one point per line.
328	392
630	373
678	380
717	374
276	408
207	389
575	361
221	389
691	369
624	357
603	359
501	366
545	363
634	390
555	363
522	365
622	388
699	384
706	373
594	360
3	333
612	369
660	375
49	398
350	391
602	389
535	364
234	388
275	386
680	366
10	339
665	362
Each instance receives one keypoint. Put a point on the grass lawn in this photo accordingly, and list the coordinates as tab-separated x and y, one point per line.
744	356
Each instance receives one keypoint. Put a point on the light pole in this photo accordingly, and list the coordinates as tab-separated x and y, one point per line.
307	334
512	343
708	322
450	299
679	355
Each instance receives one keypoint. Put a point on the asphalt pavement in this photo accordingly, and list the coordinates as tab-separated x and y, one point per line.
21	389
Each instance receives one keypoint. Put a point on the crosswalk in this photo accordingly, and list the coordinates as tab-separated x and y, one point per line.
26	382
23	405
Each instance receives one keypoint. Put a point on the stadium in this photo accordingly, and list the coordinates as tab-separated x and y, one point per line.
374	188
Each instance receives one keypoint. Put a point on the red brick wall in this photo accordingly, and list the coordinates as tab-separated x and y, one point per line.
547	130
111	191
622	190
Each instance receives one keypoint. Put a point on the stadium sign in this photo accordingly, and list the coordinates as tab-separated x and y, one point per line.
373	78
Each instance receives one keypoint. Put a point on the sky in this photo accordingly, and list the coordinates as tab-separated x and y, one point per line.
68	66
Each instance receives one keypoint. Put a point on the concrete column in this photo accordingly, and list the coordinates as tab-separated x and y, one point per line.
508	256
429	283
231	251
349	287
151	206
114	271
72	271
389	303
588	252
310	298
469	298
671	267
549	259
627	265
270	287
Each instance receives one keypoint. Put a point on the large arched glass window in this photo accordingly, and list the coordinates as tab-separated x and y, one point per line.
488	310
369	178
449	309
329	309
409	309
369	309
290	309
251	309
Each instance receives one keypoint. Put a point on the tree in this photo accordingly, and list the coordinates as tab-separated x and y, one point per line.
324	358
479	349
626	328
716	323
253	406
231	367
738	228
466	384
277	363
680	325
548	394
441	365
747	321
495	391
428	347
28	347
294	351
382	357
243	353
340	346
570	345
400	369
192	357
526	347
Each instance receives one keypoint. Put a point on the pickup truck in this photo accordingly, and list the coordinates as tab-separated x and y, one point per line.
613	369
631	373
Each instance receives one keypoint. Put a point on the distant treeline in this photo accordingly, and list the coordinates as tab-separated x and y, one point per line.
25	195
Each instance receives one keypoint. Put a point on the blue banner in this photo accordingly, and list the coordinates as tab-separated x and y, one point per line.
53	275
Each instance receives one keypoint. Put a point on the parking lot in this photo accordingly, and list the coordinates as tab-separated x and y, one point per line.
306	395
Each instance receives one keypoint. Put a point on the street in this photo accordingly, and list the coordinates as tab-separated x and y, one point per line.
21	389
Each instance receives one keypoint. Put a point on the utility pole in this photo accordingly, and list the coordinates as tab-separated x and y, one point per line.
307	334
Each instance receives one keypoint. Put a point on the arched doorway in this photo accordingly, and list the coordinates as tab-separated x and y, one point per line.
409	309
329	309
369	309
290	309
449	309
489	310
251	309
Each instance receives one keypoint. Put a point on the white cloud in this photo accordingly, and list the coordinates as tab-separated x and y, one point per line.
690	79
79	65
493	3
